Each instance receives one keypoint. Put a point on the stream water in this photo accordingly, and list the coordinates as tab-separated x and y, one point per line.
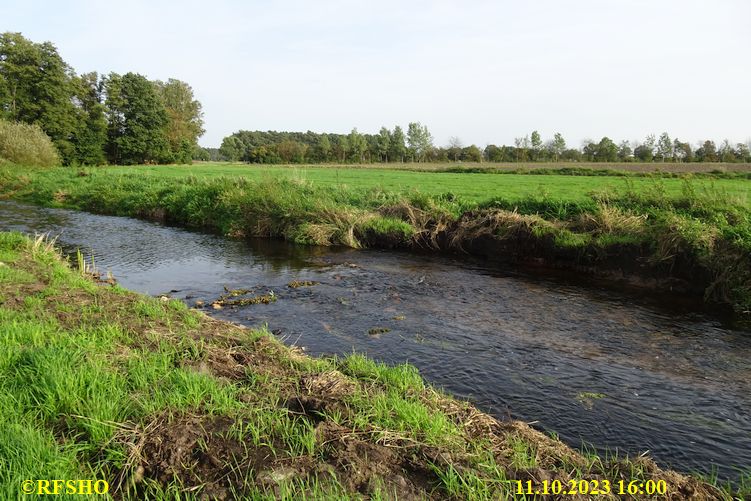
617	370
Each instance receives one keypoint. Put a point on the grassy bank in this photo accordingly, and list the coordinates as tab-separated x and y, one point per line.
681	235
163	402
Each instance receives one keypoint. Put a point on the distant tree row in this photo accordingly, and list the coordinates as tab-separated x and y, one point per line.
299	147
95	119
416	145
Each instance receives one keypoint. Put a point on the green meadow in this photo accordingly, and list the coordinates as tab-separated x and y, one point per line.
470	186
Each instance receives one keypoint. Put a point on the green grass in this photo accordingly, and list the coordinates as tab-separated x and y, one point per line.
474	187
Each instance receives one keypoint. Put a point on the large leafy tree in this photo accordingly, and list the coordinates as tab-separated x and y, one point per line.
665	147
185	116
357	145
707	152
420	140
90	137
137	131
323	148
557	146
36	88
606	150
397	148
383	143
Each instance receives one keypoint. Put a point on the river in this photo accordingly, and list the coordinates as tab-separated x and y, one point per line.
618	370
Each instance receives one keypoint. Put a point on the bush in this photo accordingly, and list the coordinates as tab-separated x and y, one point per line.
26	144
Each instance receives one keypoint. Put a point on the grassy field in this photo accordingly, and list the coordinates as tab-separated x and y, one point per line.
163	402
475	187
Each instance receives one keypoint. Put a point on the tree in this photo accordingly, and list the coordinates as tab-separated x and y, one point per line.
341	148
357	145
557	146
231	149
137	121
397	148
664	147
707	152
571	155
90	137
455	147
185	124
624	151
472	154
36	88
646	151
727	153
290	151
682	151
522	147
742	152
383	144
419	139
606	150
323	149
589	150
536	143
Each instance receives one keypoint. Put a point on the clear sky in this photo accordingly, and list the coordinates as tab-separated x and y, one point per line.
483	71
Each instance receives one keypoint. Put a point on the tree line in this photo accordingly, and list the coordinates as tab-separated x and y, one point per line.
393	145
94	119
299	147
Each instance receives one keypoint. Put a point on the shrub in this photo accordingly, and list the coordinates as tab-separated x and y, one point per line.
26	144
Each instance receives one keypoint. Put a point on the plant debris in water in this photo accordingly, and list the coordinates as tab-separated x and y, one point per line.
375	331
588	398
228	299
295	284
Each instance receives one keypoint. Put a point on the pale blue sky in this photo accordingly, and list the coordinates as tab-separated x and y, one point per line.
483	71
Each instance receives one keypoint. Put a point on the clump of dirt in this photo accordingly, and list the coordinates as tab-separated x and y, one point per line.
366	467
197	452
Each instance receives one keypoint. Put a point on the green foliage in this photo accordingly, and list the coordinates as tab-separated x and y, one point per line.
25	144
137	121
185	124
420	141
36	88
90	137
142	121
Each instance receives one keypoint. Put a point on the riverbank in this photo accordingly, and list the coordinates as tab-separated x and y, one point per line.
159	400
693	240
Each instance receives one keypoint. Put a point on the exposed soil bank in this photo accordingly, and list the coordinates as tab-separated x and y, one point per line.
160	400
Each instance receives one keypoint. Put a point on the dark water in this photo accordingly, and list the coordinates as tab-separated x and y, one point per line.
675	382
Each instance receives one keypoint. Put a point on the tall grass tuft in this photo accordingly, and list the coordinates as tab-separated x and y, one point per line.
26	144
